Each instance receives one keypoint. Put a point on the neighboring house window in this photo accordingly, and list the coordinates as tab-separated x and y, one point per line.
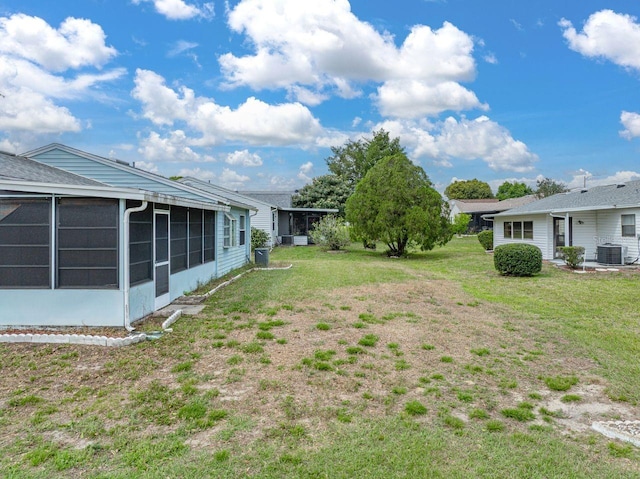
195	237
25	242
229	231
178	235
518	229
629	225
87	243
243	230
140	244
209	236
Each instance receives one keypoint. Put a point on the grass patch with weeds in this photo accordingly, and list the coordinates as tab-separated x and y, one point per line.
560	383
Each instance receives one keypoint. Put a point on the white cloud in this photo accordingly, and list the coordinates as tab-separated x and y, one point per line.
35	60
174	148
253	122
197	173
606	34
231	179
356	121
305	171
147	166
244	158
491	58
180	10
631	123
315	49
413	99
578	178
451	139
180	47
77	43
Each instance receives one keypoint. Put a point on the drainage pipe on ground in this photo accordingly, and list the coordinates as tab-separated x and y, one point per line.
127	269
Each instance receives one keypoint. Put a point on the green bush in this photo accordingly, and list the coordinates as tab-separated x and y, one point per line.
486	239
572	255
330	233
517	259
259	238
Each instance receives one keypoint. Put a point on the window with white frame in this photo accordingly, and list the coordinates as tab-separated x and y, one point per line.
518	229
243	230
230	231
629	225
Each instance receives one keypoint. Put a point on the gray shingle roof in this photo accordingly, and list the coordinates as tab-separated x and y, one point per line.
491	206
19	168
280	199
598	197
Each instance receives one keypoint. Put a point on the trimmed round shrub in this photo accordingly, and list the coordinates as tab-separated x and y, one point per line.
517	259
572	255
486	239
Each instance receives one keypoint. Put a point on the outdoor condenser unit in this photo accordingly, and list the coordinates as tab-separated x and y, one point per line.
611	254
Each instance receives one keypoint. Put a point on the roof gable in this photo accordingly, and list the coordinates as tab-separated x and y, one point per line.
113	172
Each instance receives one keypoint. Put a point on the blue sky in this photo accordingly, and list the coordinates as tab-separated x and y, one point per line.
251	94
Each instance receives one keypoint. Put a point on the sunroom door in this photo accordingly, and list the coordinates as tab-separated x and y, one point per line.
161	264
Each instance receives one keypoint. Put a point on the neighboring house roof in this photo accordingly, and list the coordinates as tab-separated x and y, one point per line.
624	195
491	205
279	199
236	198
19	168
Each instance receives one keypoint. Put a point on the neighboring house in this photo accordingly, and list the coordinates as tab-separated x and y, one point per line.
602	219
293	224
266	216
479	208
88	241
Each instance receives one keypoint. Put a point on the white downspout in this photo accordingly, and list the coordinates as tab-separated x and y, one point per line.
127	271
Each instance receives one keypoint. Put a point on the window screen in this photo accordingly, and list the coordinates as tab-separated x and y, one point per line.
178	239
87	243
25	243
195	237
507	229
528	230
517	229
243	229
209	236
628	225
140	244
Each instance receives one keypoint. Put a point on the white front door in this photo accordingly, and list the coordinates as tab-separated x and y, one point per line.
161	255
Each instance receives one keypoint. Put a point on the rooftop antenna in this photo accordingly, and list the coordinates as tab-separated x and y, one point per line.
584	182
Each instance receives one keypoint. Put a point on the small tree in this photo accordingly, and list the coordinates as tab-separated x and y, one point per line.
548	187
326	191
573	255
330	233
468	190
396	203
259	238
460	223
514	189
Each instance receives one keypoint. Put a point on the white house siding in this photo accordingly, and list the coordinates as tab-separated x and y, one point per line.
540	233
585	227
263	221
610	229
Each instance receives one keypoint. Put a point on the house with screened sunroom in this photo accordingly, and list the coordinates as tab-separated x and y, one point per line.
602	219
89	241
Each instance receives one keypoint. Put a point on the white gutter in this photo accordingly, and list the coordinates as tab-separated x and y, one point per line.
127	254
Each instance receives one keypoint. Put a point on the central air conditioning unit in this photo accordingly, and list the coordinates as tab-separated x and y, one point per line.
611	254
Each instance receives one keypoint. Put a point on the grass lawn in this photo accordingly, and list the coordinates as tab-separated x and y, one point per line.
348	365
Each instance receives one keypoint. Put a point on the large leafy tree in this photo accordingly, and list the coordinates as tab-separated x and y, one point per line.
354	159
548	187
468	190
396	203
513	189
326	191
